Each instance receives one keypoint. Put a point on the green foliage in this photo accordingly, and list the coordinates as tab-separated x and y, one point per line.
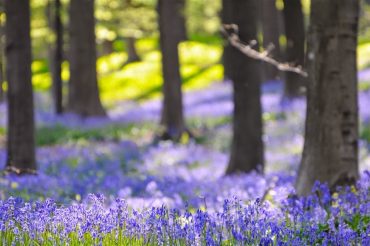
125	18
143	80
50	239
358	222
365	132
363	51
364	85
203	16
364	28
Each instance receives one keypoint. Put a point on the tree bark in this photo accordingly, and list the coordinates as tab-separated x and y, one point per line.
83	96
180	20
131	50
331	138
56	54
2	77
226	18
2	57
271	34
172	118
2	73
58	60
247	146
106	47
295	50
21	142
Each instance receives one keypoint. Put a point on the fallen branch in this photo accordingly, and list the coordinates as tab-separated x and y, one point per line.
231	32
19	171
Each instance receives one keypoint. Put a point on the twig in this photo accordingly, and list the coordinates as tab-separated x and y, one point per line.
231	33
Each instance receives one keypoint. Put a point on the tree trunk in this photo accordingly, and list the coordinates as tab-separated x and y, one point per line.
271	34
2	75
247	145
2	72
180	20
295	35
56	54
21	142
172	118
58	60
331	149
106	47
131	50
226	18
83	86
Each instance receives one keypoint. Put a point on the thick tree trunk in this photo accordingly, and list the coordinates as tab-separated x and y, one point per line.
172	118
295	50
247	145
131	50
83	86
271	34
180	20
331	149
20	143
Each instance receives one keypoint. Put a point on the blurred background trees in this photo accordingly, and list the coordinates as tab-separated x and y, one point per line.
54	12
83	94
108	50
271	24
171	24
2	51
295	45
247	146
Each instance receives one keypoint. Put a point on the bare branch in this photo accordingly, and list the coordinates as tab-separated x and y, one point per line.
231	31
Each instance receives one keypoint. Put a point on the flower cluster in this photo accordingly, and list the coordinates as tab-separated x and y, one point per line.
176	194
321	218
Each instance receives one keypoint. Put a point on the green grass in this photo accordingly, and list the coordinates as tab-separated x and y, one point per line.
48	238
60	134
365	132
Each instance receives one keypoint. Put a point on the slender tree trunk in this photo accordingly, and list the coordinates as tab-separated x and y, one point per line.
331	149
2	75
131	50
172	117
226	18
271	34
295	50
58	60
2	67
21	142
106	47
83	86
56	54
247	146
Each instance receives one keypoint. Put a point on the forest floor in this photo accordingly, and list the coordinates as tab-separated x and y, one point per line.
116	156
